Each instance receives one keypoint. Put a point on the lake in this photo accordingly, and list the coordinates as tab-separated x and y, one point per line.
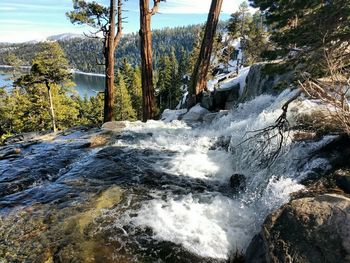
86	84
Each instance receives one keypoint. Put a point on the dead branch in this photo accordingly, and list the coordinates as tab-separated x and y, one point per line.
273	132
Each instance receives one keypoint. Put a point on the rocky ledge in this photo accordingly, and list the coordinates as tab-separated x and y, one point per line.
314	226
308	230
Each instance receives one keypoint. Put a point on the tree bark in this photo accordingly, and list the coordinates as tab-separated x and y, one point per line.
52	110
200	72
111	42
148	98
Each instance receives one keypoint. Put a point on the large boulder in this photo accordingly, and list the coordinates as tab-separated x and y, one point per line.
266	78
195	114
171	115
207	100
115	126
238	182
342	178
306	230
226	96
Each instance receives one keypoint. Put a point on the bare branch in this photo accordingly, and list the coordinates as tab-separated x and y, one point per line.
275	131
118	36
155	8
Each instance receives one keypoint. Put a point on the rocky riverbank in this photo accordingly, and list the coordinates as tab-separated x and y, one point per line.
315	225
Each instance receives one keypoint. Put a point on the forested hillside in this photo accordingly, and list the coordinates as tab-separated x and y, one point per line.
85	54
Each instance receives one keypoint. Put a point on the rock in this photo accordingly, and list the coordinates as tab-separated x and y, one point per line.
195	114
303	136
222	143
238	182
115	126
208	118
100	139
306	230
171	115
9	153
24	137
266	78
207	101
342	179
229	105
224	97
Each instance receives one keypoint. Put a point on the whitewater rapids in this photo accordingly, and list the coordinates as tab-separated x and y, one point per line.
214	221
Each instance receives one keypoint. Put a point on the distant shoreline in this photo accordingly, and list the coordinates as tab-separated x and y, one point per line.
74	71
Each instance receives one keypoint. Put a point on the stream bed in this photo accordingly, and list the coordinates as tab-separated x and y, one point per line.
149	192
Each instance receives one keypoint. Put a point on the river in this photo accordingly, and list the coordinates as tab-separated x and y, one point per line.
86	84
157	192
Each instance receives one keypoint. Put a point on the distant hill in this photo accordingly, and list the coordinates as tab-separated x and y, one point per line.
65	36
83	53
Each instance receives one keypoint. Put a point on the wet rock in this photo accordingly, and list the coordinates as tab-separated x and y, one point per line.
223	97
115	126
9	153
306	230
207	101
222	142
100	139
238	182
208	118
37	164
171	115
303	136
342	178
24	137
195	114
266	79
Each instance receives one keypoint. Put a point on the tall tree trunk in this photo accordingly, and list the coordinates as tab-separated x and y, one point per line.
200	72
52	110
111	42
109	60
148	99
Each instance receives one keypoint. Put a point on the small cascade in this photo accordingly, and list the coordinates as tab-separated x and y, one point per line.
198	210
152	192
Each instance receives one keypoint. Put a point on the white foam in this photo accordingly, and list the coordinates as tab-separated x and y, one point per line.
211	223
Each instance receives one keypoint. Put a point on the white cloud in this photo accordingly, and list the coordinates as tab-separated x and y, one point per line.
7	8
16	22
15	37
196	6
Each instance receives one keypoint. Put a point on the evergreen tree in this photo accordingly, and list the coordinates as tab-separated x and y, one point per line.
103	19
315	26
251	31
123	106
135	92
90	110
164	83
127	71
49	69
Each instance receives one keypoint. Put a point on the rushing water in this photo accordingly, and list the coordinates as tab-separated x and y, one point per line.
163	192
86	84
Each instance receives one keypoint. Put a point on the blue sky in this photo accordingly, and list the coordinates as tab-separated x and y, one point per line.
24	20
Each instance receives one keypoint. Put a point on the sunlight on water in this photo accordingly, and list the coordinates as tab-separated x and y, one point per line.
216	221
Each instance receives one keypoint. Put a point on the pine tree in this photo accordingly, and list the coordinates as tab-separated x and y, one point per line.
135	92
102	19
164	82
252	33
123	106
49	69
127	71
315	26
199	75
148	94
